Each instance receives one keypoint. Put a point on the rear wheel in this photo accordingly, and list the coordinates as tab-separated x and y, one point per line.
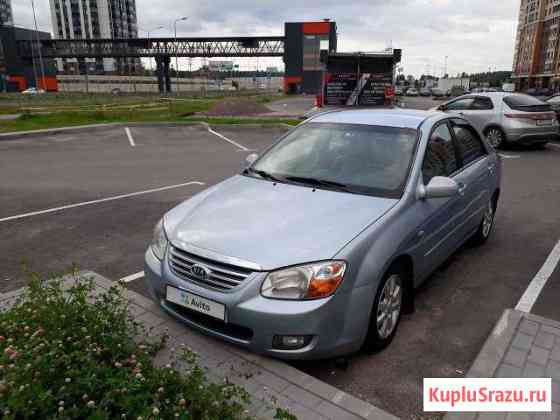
486	226
386	311
495	137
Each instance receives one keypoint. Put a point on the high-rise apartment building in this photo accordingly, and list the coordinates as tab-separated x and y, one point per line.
6	16
537	47
76	19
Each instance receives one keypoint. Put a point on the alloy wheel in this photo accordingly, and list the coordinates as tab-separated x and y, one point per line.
495	137
488	220
389	307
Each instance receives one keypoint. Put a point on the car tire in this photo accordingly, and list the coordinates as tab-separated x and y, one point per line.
486	225
496	137
386	311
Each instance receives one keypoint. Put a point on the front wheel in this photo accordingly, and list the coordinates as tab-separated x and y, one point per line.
486	226
496	138
386	312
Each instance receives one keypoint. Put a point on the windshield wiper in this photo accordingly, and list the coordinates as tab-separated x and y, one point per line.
262	174
318	182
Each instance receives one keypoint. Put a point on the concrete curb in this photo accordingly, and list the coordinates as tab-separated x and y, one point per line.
271	383
50	131
16	135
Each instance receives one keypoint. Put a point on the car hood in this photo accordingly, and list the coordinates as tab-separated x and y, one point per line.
272	225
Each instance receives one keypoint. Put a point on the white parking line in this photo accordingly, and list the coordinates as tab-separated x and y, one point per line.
132	277
539	281
101	200
130	138
228	140
503	156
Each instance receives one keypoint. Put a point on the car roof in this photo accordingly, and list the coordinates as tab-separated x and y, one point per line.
400	118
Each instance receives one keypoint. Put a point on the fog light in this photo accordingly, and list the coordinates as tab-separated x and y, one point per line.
290	342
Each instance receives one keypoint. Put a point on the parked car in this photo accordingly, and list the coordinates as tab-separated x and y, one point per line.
531	91
507	118
425	92
545	92
554	102
315	249
458	91
412	92
438	93
32	91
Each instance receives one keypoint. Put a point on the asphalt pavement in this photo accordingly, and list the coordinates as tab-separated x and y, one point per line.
93	199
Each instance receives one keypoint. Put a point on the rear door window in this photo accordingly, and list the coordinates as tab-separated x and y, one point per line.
440	158
468	141
526	103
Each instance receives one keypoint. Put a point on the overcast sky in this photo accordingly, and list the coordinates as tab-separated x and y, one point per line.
475	34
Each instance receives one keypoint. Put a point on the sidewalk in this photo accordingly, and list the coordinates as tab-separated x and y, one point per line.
521	345
271	383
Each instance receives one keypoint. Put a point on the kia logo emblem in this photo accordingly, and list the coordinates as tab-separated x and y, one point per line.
200	272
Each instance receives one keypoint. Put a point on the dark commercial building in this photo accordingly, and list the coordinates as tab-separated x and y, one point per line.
20	64
6	16
359	78
302	54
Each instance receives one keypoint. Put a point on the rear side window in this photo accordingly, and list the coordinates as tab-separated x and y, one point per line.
469	142
526	103
440	159
481	104
460	104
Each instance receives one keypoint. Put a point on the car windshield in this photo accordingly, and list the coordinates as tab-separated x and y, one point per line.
355	158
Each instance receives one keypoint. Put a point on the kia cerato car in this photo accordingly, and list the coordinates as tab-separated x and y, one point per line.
315	249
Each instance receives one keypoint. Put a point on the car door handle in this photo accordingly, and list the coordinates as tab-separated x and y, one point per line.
462	188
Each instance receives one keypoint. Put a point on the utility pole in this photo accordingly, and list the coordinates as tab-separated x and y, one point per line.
445	67
177	52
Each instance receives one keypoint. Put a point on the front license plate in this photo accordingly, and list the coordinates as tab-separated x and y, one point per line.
544	122
196	303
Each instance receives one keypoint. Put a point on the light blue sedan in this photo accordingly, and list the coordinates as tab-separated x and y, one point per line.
315	250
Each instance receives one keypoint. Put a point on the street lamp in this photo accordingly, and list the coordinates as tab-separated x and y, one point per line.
148	33
176	52
42	86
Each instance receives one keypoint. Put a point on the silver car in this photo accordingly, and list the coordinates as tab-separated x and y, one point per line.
507	118
315	249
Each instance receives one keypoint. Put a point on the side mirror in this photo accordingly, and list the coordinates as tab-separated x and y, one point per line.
439	187
250	159
442	108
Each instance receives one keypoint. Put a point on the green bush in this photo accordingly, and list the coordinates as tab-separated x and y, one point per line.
75	354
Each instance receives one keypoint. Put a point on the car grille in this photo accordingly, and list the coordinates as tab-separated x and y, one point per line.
221	276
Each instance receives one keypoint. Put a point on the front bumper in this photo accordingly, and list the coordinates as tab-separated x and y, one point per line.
252	321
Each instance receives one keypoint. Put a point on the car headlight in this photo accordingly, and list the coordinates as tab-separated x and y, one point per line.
159	241
310	281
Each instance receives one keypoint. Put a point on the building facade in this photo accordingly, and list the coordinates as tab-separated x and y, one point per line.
83	19
537	47
6	16
302	54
